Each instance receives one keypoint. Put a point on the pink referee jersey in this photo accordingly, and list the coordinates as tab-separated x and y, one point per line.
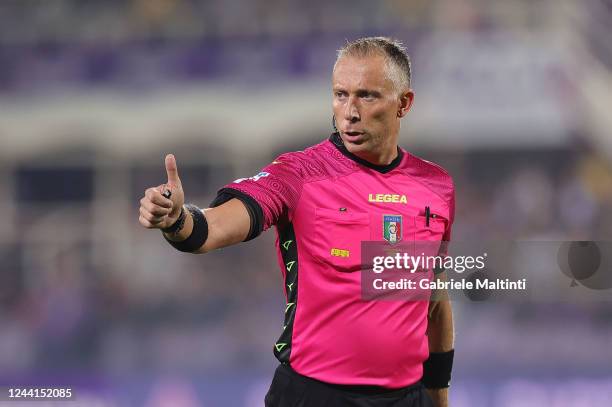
324	201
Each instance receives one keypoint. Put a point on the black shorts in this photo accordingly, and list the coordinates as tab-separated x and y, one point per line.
291	389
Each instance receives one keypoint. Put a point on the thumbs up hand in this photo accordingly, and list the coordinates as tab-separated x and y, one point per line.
161	206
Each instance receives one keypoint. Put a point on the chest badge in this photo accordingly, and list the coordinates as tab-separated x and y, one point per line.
392	228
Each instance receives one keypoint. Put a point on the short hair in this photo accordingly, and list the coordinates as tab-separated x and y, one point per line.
398	61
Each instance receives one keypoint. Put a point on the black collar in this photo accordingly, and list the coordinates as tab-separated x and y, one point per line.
337	141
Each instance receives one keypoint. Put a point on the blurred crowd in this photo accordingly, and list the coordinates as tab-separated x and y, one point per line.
137	43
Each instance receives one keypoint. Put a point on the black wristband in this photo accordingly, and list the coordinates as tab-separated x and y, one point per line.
198	235
178	224
437	370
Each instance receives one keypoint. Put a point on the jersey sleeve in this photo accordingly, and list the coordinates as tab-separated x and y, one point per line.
270	196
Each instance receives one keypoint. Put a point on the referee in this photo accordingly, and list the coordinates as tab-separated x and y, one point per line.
336	349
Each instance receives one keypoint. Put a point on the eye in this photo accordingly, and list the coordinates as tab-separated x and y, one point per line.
339	94
371	96
368	96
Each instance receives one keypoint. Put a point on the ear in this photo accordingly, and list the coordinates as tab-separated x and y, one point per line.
405	103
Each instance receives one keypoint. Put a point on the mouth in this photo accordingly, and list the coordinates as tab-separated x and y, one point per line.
353	136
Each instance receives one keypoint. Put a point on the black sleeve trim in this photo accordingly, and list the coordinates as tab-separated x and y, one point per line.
252	206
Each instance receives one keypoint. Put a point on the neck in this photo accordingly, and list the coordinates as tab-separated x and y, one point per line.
383	157
379	162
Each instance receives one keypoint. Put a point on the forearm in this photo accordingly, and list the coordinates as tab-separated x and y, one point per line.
226	224
440	332
440	327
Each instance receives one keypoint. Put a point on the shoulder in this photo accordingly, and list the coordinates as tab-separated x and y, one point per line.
432	175
319	161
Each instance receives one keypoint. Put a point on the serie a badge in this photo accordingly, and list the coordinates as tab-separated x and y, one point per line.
392	228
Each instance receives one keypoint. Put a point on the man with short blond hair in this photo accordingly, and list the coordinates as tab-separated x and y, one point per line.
336	349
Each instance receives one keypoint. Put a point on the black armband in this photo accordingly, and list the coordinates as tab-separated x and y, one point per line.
198	235
437	370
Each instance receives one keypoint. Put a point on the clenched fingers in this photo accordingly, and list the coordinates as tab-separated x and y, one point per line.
151	220
155	197
151	217
152	208
145	223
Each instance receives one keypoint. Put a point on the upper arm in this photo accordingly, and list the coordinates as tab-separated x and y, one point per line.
269	196
228	224
247	206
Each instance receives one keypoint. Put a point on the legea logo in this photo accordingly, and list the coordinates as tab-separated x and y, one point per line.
387	198
253	178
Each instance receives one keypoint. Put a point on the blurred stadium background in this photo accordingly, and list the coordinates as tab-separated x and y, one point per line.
513	97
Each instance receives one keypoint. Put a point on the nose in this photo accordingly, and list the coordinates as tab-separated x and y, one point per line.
351	111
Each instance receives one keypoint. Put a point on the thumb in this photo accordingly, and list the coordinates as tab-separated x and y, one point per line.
172	170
